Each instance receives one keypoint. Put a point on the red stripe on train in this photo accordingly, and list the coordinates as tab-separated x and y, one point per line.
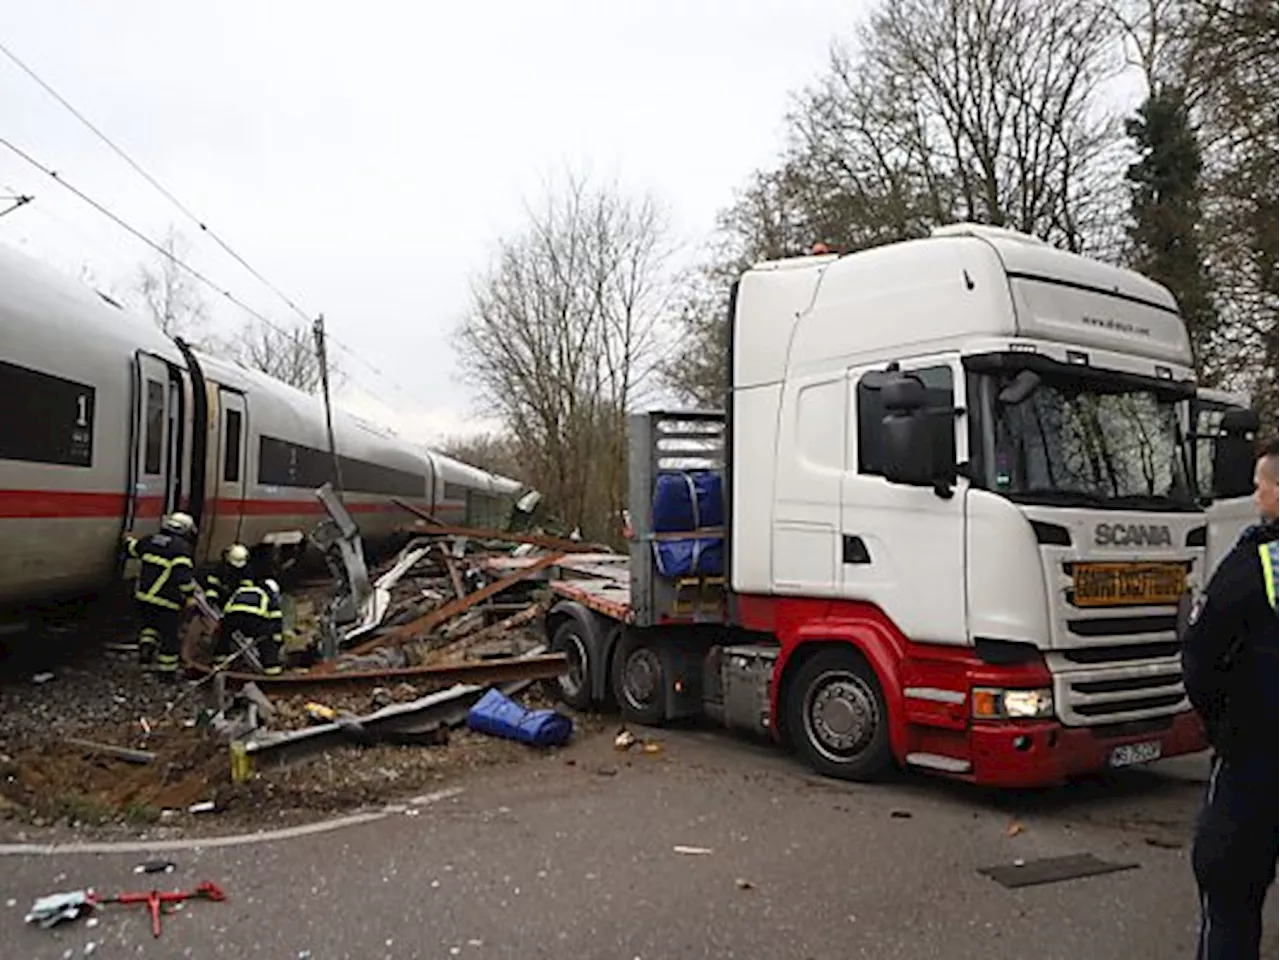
63	504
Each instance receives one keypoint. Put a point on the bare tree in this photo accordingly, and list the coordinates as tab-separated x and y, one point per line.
286	353
937	111
561	337
499	453
171	295
1232	68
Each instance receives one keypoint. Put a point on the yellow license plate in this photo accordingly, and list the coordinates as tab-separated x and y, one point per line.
1128	584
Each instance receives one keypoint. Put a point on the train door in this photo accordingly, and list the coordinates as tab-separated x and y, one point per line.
231	467
157	440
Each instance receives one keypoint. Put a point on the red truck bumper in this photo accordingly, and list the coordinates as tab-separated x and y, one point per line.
1047	754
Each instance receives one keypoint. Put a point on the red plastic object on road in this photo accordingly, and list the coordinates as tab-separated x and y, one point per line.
155	899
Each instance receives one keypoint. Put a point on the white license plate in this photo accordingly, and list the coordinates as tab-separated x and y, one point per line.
1132	753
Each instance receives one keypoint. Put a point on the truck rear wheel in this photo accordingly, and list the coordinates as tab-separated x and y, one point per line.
837	718
574	687
639	681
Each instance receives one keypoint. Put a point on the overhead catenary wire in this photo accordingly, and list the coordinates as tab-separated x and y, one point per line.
204	228
138	234
137	168
186	267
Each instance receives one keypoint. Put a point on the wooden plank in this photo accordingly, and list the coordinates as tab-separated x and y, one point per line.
449	610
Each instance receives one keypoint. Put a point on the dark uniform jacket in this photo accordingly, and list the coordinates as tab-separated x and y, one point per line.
220	583
167	575
254	611
1229	650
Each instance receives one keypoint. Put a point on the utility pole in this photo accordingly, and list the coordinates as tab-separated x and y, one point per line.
15	201
317	329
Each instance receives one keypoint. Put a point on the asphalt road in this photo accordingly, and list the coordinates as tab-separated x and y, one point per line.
578	860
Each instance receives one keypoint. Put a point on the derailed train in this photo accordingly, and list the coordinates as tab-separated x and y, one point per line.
106	424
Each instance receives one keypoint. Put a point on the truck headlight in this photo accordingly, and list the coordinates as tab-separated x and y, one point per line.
993	703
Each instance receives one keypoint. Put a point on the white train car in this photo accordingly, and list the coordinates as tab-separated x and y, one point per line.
469	495
106	425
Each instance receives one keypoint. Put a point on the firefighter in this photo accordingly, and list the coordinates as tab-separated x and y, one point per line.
253	612
220	583
1229	665
166	581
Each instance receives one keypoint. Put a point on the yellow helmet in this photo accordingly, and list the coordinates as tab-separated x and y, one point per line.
238	555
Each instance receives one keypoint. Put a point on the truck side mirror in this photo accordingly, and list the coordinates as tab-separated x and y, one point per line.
1233	454
908	436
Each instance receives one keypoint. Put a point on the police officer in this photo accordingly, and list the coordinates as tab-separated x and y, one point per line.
253	611
166	581
1229	665
220	583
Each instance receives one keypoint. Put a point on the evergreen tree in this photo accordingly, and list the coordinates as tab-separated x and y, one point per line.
1164	189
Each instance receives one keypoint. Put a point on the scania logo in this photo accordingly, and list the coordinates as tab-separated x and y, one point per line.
1132	535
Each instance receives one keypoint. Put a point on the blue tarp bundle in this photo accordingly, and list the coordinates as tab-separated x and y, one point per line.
501	716
685	502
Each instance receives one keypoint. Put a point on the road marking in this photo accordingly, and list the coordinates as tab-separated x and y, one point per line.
240	839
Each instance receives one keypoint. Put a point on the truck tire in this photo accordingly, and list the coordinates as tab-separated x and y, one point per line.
574	687
837	718
639	681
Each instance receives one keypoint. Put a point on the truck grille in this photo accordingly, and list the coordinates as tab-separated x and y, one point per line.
1117	684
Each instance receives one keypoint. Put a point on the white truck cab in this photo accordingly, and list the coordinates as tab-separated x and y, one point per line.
958	516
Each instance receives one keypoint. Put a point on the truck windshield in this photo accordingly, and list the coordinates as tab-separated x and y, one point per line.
1084	442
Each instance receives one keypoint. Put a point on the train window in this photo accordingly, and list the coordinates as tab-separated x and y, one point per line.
45	419
153	453
231	457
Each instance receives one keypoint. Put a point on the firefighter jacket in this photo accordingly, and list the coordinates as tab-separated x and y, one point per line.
254	611
221	582
1229	648
167	576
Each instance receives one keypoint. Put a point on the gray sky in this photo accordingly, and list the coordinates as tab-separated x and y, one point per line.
365	157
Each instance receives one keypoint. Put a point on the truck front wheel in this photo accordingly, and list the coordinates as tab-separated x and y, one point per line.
837	718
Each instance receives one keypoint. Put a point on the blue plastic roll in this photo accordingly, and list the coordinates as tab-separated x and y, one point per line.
500	716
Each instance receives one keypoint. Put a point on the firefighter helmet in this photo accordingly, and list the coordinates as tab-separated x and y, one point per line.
238	556
179	523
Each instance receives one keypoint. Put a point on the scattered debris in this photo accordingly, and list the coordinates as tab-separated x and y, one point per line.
1163	843
744	884
1013	829
155	900
624	740
607	771
204	806
901	814
1052	870
156	866
452	615
42	677
110	750
51	910
692	851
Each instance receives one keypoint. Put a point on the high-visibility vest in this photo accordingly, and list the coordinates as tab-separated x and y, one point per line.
1267	554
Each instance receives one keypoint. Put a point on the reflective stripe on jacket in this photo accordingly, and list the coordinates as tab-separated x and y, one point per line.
166	577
